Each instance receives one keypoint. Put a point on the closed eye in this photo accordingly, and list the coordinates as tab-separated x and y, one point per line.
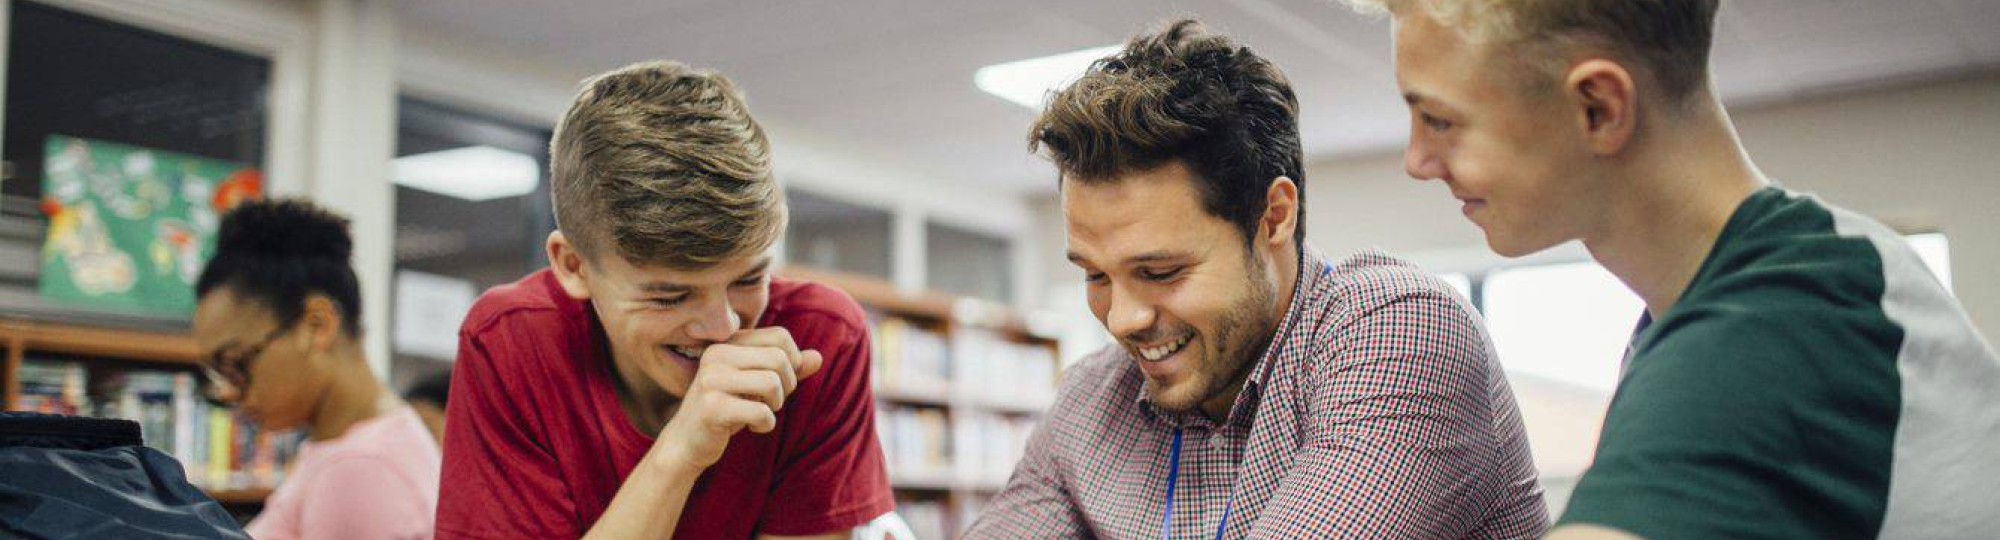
1434	123
1160	276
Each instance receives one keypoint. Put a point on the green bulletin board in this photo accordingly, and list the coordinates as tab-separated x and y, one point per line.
130	228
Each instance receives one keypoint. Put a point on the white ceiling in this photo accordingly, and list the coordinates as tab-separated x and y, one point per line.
893	78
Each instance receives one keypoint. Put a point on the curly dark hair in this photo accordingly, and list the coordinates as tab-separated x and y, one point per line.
1181	94
277	252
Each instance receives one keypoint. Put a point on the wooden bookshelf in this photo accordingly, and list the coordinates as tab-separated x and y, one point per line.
137	346
932	307
938	396
126	346
241	497
957	484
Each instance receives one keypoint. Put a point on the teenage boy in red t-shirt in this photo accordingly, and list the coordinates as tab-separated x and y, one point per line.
656	380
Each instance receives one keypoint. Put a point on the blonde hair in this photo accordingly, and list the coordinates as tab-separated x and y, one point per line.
664	163
1670	39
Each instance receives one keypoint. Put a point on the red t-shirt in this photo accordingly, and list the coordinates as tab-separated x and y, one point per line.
536	444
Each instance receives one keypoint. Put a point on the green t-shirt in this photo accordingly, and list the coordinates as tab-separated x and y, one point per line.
1813	381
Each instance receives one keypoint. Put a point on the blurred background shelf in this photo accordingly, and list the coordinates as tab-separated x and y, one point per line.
959	384
149	377
241	497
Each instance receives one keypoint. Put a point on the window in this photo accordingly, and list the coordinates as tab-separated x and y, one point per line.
1458	281
472	212
1567	323
968	263
827	234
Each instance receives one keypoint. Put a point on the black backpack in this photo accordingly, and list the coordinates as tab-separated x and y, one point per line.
76	477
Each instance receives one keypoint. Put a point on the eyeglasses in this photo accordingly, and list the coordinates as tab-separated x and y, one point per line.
229	370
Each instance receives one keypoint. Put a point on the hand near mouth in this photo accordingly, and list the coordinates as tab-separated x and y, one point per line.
742	384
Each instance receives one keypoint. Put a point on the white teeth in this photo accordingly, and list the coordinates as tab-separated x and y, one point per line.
1163	351
690	352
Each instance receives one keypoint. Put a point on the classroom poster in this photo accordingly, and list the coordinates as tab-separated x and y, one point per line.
130	228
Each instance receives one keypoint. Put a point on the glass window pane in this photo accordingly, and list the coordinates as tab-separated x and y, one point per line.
1561	332
472	212
827	234
1458	281
1567	323
967	263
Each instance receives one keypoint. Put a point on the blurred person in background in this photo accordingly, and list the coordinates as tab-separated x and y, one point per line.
277	321
428	397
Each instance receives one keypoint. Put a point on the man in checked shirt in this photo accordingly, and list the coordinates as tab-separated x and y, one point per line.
1256	390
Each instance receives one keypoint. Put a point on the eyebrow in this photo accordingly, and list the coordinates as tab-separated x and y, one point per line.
761	267
662	287
1413	98
1150	256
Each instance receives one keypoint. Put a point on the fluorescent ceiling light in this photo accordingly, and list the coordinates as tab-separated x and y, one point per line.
1028	82
473	173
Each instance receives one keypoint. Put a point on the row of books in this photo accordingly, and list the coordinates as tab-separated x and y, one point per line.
990	445
925	443
927	518
994	369
912	356
218	449
908	356
935	516
916	441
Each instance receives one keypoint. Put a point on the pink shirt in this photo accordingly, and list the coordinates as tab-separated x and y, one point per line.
377	481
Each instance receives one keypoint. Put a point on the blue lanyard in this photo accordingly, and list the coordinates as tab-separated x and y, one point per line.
1173	477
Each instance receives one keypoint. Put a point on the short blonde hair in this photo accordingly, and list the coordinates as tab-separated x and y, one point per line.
1670	39
663	163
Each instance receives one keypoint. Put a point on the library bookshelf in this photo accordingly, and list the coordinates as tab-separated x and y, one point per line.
110	348
959	383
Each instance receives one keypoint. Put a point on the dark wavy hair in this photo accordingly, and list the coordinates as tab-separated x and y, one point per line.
277	252
1181	94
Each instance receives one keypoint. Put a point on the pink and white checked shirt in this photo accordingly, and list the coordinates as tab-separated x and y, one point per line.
1380	411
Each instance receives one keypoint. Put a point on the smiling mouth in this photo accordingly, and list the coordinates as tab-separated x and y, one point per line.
1157	353
691	353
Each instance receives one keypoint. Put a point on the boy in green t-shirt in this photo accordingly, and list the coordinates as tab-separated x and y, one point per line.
1798	373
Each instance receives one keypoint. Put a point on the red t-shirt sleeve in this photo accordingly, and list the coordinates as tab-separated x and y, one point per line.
498	480
830	477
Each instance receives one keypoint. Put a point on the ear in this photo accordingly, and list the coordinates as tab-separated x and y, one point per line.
568	266
1603	92
322	321
1281	214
